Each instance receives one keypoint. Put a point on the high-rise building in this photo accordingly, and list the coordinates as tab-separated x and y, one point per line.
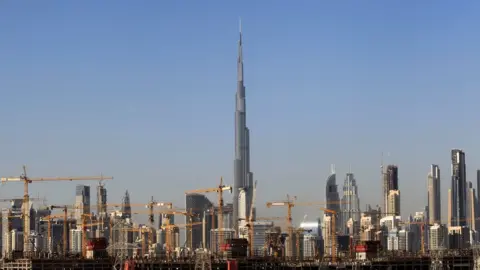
458	190
434	198
438	236
390	182
243	177
202	209
333	199
350	207
471	207
126	207
394	202
101	200
76	241
82	201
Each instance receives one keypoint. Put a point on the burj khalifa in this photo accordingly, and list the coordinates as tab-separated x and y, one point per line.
243	178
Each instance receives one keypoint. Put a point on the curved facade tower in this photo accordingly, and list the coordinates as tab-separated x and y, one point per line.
243	178
333	199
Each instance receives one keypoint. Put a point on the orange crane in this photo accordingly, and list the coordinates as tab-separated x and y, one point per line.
48	219
151	204
289	203
333	233
84	234
141	231
220	189
169	227
26	200
168	213
422	225
65	223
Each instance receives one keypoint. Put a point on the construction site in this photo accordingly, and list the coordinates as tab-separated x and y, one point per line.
78	238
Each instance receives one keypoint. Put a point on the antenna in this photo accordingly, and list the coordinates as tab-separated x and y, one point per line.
332	168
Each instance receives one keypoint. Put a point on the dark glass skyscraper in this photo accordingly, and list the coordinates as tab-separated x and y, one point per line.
201	207
434	198
458	189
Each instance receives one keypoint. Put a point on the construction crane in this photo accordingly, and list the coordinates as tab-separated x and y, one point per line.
151	204
422	225
333	233
298	232
168	213
141	231
168	229
84	233
26	200
65	223
31	199
220	189
289	203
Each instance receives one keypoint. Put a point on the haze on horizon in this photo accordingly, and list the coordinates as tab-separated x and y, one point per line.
146	93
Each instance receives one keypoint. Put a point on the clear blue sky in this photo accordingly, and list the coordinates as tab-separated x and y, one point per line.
145	92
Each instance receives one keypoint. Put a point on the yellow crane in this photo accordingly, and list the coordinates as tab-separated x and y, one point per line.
168	213
141	231
65	209
48	219
26	200
168	229
289	203
219	190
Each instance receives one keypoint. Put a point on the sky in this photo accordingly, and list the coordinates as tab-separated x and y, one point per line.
146	93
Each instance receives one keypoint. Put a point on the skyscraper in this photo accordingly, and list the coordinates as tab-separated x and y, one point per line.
82	201
202	209
126	207
471	206
390	182
243	178
331	194
350	202
101	200
434	197
458	190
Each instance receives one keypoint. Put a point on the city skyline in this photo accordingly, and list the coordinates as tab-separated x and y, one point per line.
314	99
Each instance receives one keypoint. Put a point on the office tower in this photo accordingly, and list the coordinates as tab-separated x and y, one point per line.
394	202
243	178
82	201
438	235
126	207
390	182
471	207
333	199
350	207
76	241
101	200
434	198
458	189
202	209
